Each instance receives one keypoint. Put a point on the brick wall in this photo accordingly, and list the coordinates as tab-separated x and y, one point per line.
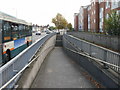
85	19
76	21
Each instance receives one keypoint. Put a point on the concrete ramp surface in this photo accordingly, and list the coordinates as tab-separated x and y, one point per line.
59	71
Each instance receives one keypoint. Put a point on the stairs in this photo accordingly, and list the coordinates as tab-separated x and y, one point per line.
58	41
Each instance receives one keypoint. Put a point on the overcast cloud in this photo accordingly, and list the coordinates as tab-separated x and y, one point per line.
42	11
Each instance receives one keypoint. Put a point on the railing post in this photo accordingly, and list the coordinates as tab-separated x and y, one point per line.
119	71
119	44
81	46
105	66
90	50
0	78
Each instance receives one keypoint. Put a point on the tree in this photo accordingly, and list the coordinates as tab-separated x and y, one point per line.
52	28
112	24
59	21
69	26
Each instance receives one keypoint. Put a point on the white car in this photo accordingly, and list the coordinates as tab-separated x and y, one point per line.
38	33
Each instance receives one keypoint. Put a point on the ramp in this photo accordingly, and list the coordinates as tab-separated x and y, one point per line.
59	71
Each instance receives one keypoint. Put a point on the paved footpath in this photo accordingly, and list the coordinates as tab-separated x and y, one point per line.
59	71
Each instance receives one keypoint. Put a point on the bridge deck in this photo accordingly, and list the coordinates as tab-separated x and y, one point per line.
59	71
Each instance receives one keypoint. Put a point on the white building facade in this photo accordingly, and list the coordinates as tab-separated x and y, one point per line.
80	19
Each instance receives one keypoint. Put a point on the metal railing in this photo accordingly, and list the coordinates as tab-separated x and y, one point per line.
14	67
110	59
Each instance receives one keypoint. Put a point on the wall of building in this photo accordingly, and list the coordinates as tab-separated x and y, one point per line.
95	14
76	21
85	20
101	16
89	17
115	4
80	19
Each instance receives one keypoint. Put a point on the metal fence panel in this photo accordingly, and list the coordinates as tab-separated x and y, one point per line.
106	55
11	68
114	59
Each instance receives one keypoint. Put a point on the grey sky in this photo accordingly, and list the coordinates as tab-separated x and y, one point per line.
42	11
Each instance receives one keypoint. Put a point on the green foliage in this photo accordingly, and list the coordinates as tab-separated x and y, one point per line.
69	26
52	28
59	21
112	24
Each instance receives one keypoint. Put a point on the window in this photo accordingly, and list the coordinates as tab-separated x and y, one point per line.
118	12
88	22
101	19
15	31
107	4
0	41
115	4
0	25
21	28
89	8
6	31
88	17
94	20
100	1
24	30
101	12
94	2
28	30
101	27
107	16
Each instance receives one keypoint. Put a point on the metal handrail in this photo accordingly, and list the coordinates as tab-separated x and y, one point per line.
15	58
93	58
95	45
86	54
27	64
5	85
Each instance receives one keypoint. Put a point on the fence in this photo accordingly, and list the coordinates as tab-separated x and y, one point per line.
106	56
111	42
20	62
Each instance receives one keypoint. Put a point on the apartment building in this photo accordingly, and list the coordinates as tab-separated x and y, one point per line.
105	7
83	19
96	12
115	5
89	17
94	16
76	21
80	19
104	10
101	15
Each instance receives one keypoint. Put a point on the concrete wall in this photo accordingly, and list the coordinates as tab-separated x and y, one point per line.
110	42
30	73
101	75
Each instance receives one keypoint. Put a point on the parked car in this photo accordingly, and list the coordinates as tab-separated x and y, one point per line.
38	33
